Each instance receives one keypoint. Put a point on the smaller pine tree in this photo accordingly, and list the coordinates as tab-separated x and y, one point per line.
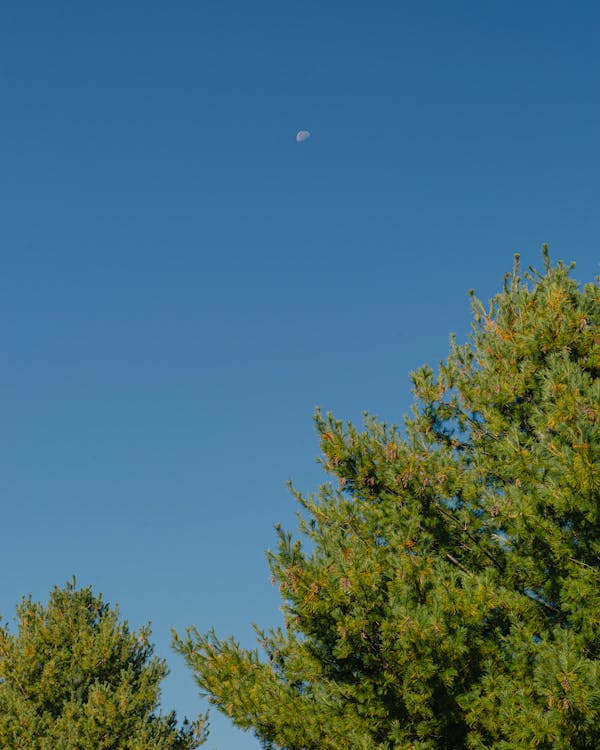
75	677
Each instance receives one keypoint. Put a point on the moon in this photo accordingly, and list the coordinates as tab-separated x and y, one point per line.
302	135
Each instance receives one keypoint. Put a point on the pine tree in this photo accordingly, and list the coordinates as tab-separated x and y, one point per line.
74	677
445	588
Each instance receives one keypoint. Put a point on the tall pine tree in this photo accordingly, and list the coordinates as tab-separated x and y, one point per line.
447	594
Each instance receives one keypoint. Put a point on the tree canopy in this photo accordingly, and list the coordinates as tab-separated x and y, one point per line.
444	589
74	677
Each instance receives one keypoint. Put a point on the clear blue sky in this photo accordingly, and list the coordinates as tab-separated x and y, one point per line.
182	283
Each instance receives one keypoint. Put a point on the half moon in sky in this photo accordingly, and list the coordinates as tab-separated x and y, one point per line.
302	135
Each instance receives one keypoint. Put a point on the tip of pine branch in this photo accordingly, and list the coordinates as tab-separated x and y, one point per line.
546	254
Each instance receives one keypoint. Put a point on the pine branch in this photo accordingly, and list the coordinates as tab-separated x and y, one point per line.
454	561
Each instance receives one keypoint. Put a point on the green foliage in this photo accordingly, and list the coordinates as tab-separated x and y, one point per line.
76	678
447	591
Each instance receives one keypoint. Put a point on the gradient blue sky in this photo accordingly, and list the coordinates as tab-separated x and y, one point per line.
182	283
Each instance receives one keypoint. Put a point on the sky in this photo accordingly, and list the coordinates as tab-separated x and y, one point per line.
182	283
